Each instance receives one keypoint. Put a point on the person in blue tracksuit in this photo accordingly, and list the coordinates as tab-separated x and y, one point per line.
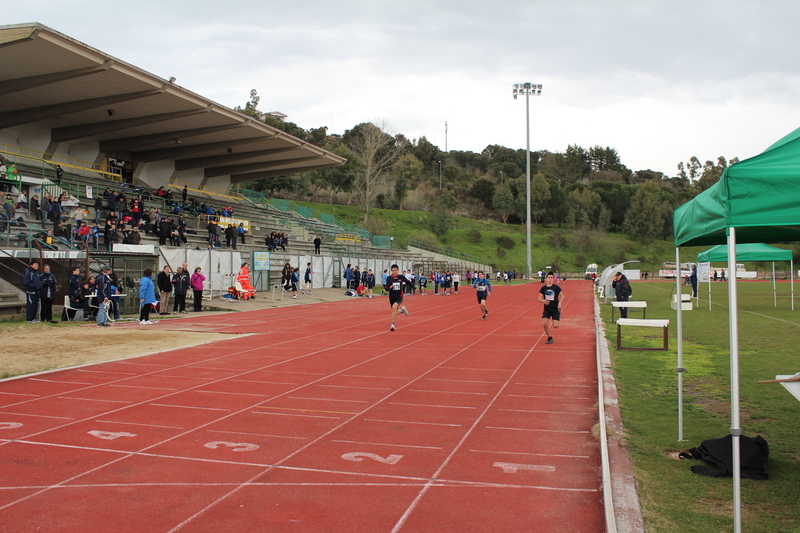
482	289
103	297
33	286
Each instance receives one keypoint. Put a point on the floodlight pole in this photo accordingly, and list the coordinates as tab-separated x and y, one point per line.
527	89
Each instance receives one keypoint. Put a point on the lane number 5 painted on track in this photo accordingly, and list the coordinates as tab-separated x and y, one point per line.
359	456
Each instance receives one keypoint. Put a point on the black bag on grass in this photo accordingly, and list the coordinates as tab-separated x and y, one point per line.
719	453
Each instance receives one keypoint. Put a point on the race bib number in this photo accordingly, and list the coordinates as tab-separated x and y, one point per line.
481	288
396	286
549	296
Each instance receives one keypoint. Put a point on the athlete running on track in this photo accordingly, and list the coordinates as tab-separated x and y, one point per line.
482	289
550	295
394	284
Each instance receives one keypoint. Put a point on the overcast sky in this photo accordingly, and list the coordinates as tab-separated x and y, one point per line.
659	81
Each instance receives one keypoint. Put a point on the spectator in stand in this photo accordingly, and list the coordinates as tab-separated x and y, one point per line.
147	297
317	245
98	208
269	242
34	207
33	287
185	193
181	283
164	231
230	236
45	208
160	192
22	201
212	232
134	237
112	201
165	289
241	232
197	288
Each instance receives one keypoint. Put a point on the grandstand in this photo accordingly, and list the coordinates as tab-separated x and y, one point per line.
77	122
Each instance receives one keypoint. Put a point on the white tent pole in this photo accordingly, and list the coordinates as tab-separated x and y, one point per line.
791	280
736	431
679	322
774	290
709	285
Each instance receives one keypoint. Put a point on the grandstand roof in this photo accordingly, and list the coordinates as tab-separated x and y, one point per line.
50	81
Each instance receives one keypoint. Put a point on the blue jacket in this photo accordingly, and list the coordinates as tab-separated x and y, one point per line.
74	284
103	288
49	285
31	279
147	291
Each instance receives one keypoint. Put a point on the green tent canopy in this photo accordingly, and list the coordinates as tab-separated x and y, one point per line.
745	252
758	196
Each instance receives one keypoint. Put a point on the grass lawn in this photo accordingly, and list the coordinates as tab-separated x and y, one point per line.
673	498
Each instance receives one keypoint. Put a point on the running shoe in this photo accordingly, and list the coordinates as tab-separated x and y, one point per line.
549	340
295	297
391	328
487	312
404	310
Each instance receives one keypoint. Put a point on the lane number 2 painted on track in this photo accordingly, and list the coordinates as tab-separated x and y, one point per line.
359	456
234	446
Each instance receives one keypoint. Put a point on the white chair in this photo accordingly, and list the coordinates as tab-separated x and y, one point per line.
68	307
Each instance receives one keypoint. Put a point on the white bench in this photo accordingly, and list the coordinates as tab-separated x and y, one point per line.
629	305
686	302
647	323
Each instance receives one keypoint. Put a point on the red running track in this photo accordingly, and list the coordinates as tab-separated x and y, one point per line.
320	420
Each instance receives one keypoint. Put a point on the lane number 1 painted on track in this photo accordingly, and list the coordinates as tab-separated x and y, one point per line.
359	456
513	468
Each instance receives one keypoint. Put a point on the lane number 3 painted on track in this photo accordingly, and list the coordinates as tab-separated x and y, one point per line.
359	456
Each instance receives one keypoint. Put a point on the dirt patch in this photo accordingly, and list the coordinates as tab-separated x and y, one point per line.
31	348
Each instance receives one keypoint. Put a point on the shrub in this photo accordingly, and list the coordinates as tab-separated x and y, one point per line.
505	241
500	252
474	235
440	223
558	240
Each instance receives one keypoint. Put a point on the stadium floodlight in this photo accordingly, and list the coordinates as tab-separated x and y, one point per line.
527	89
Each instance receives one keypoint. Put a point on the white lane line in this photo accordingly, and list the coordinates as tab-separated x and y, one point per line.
267	382
537	429
142	387
217	369
57	381
141	364
91	399
293	372
136	424
351	387
409	422
427	405
188	407
20	394
178	377
534	454
234	393
38	416
291	414
449	392
461	380
373	377
546	412
326	399
551	397
255	434
108	372
387	444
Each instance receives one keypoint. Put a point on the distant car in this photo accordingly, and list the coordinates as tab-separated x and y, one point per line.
591	271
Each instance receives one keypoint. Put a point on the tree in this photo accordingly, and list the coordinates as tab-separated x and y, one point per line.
338	178
483	190
407	171
375	152
503	201
645	220
540	196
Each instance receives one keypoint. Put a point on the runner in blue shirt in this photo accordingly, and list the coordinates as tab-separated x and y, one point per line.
550	295
482	289
395	284
423	283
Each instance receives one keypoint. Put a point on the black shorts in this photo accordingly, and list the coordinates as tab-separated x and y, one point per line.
395	300
555	314
482	295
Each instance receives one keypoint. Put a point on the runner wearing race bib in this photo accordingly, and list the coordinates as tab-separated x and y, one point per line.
482	289
550	295
394	284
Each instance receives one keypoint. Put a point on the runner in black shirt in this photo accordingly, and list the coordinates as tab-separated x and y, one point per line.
550	295
394	284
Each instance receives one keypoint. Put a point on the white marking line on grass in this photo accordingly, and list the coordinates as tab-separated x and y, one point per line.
292	414
142	387
57	381
534	454
188	407
450	392
20	394
550	397
461	380
325	399
409	422
234	393
351	387
267	382
256	434
386	444
428	405
136	424
537	429
91	399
